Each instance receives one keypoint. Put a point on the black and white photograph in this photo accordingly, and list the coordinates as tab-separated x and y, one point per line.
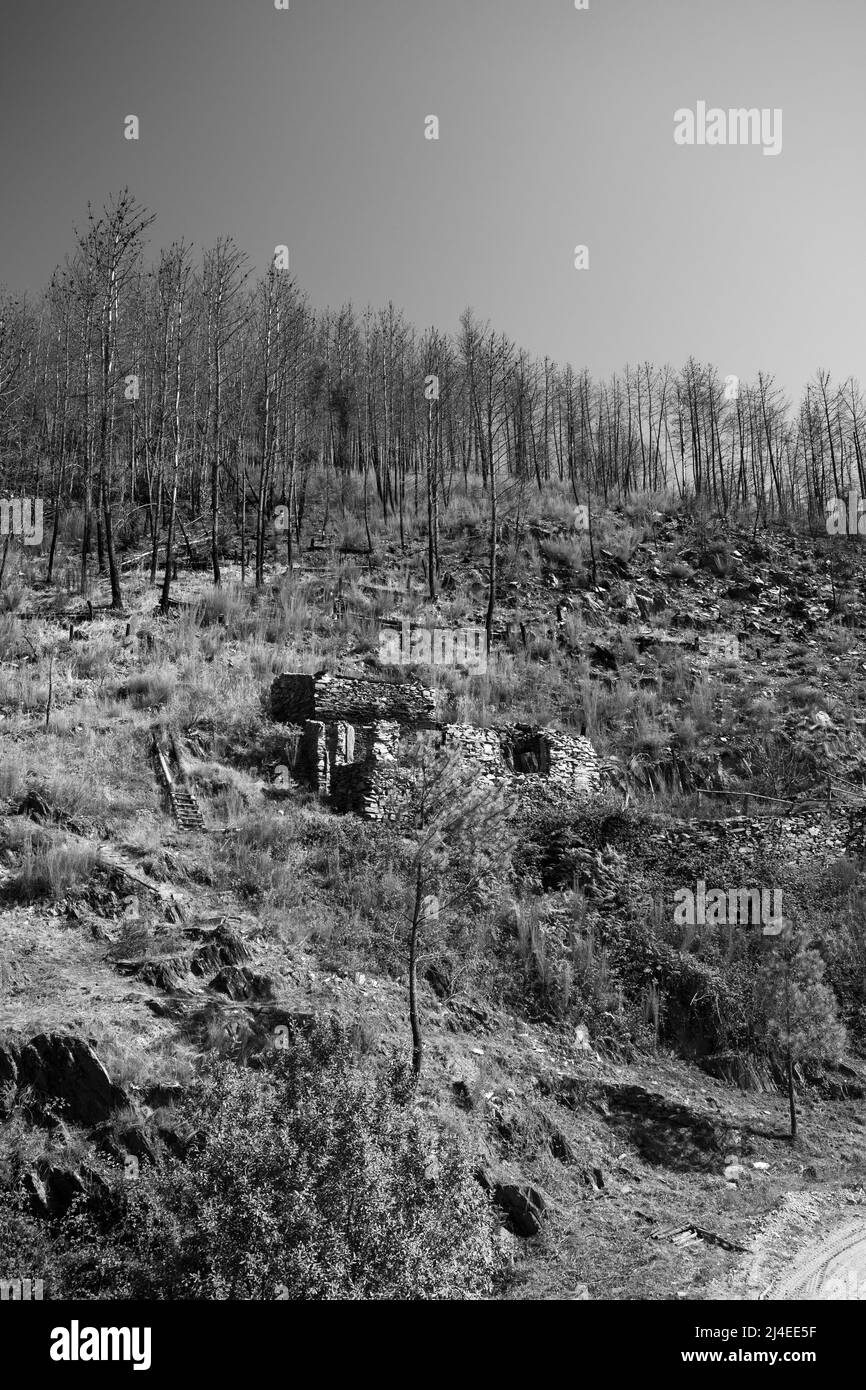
432	673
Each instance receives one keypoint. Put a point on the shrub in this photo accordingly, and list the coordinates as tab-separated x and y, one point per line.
227	606
844	948
25	1243
148	690
568	553
312	1177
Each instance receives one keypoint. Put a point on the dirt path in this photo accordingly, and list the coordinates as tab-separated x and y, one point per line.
832	1268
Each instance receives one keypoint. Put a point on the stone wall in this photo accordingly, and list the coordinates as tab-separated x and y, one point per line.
480	748
349	747
527	758
574	764
324	748
293	699
354	699
373	786
358	767
809	841
312	763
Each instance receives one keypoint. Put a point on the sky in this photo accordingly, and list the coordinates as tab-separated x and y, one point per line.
305	127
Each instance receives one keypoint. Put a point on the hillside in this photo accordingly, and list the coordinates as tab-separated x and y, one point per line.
612	1084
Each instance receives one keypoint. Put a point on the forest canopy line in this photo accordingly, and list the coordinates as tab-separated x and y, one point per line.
183	390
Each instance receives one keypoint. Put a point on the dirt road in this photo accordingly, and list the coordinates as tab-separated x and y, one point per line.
831	1268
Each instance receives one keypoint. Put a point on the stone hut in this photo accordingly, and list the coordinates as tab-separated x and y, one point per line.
348	745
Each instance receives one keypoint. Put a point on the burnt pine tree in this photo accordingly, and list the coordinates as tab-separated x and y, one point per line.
174	282
110	250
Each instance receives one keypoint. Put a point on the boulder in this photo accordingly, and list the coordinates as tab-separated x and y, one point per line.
162	1093
734	1172
523	1205
222	947
63	1068
54	1188
238	982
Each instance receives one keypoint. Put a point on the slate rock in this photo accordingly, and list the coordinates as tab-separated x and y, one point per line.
162	1093
61	1067
239	983
223	947
523	1205
54	1188
127	1139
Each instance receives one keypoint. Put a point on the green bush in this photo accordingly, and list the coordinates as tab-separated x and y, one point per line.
843	946
25	1243
312	1176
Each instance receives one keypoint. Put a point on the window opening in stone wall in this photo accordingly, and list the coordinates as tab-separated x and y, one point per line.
532	755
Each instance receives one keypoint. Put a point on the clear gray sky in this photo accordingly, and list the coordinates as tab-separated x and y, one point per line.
306	127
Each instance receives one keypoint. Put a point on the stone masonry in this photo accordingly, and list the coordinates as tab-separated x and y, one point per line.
348	750
356	699
350	740
374	786
527	757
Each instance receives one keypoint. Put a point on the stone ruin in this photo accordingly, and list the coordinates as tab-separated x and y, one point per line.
350	731
527	758
356	699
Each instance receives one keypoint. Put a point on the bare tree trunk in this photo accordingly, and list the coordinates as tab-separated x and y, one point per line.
491	573
172	509
789	1059
791	1104
414	1020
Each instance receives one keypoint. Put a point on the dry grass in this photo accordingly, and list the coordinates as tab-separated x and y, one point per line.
49	869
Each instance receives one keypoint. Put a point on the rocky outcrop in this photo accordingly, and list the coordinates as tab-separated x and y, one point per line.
222	947
524	1208
65	1070
238	983
53	1189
